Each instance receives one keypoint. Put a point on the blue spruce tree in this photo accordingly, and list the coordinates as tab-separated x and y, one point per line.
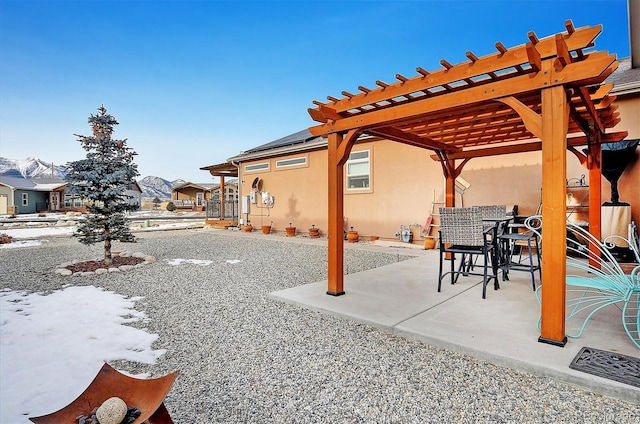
102	180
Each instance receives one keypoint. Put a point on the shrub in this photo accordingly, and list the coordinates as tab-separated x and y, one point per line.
171	207
5	238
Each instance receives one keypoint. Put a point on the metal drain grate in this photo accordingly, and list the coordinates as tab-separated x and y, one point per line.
611	365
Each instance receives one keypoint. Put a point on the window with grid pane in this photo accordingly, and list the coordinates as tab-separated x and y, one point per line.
358	170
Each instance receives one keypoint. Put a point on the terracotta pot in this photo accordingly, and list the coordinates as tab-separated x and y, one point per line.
373	238
352	236
266	229
429	243
628	267
248	228
291	231
314	232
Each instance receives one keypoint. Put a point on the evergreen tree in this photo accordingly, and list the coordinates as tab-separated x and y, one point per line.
102	179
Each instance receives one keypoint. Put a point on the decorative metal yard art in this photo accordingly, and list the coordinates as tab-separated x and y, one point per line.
145	394
595	280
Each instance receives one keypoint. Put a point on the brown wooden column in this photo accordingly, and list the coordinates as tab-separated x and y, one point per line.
338	153
594	164
221	197
450	191
335	283
450	174
555	117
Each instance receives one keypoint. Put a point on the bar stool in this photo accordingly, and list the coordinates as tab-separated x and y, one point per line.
528	240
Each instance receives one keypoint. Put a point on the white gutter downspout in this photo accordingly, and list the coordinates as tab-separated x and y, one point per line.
240	184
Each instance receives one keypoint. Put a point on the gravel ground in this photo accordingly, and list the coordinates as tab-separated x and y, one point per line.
246	358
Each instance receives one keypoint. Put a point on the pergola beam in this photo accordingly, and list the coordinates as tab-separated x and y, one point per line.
504	59
600	64
530	147
408	138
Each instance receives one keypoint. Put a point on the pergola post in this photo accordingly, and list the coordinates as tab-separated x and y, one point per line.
339	146
335	283
555	117
594	165
221	197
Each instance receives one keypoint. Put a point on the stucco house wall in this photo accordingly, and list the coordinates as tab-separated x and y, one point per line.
405	180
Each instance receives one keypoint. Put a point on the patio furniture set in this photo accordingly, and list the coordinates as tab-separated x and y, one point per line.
595	279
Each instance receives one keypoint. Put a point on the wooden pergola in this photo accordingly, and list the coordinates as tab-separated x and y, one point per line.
545	95
222	170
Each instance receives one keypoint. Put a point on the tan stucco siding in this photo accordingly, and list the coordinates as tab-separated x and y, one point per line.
403	181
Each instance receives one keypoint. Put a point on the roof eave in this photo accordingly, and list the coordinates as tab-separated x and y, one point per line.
627	88
317	143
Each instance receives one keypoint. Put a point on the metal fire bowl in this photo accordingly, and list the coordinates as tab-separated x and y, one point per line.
145	394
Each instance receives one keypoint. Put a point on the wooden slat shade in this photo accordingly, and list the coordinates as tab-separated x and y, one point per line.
456	105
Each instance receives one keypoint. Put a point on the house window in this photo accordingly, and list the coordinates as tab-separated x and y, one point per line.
291	162
25	199
257	167
199	199
358	170
72	201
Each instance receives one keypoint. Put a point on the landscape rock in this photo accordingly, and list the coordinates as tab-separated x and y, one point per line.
125	267
114	270
112	411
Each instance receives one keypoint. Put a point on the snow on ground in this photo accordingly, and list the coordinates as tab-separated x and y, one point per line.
34	232
176	262
31	228
52	346
22	243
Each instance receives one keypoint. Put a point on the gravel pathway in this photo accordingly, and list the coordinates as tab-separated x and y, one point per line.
246	358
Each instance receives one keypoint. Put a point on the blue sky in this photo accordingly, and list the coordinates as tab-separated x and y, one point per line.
193	83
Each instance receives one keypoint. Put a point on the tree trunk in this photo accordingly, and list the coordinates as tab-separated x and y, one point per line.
108	260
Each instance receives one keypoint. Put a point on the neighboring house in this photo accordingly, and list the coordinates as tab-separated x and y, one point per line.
390	186
191	195
195	195
20	195
135	194
230	191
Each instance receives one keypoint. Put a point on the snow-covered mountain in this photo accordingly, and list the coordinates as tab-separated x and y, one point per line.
156	186
31	168
35	168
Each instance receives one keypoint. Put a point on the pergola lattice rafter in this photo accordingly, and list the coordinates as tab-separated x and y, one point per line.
434	105
544	95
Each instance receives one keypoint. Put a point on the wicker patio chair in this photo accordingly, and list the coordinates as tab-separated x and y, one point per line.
461	232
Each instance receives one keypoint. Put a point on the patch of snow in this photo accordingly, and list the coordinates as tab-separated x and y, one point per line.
52	346
177	262
23	243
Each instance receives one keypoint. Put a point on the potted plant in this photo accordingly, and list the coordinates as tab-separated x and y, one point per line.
290	230
352	236
314	232
266	229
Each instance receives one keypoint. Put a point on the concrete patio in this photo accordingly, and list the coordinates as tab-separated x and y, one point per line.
501	329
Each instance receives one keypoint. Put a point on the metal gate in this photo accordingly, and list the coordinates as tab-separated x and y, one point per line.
230	209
